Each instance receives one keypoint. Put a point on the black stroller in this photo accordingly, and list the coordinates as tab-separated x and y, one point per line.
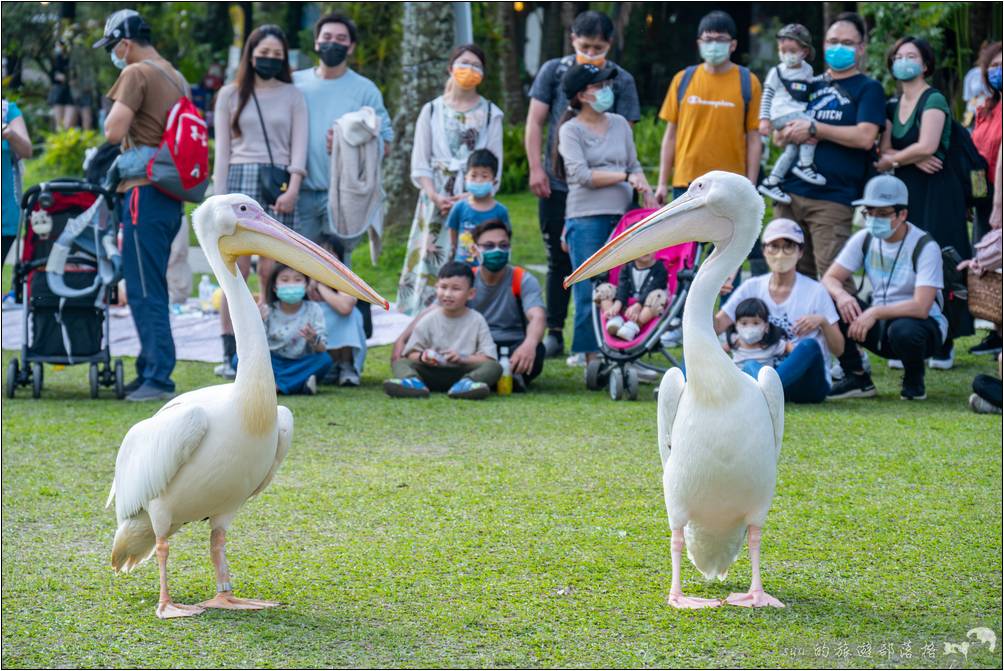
66	277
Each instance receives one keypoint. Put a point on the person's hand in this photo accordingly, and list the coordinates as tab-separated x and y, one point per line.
930	165
808	324
428	357
612	310
452	356
443	203
764	127
884	164
849	308
638	183
648	201
728	286
286	202
264	310
308	332
329	139
995	217
632	312
523	357
796	132
540	183
660	195
313	291
862	325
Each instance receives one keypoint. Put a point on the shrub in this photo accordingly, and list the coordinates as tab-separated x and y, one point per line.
63	155
515	167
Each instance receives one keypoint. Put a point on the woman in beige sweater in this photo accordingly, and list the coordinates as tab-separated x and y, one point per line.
260	121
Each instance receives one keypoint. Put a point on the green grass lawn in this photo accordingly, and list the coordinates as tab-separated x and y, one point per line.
520	531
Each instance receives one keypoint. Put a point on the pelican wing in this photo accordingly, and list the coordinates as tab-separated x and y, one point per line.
670	391
151	454
773	393
285	422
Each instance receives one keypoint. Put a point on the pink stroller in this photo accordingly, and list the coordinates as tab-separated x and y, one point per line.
616	365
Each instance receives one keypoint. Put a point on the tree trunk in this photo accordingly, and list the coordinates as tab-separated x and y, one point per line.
569	10
512	83
552	40
621	21
427	29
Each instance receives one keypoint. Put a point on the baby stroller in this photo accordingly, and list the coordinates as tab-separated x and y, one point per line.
66	277
617	365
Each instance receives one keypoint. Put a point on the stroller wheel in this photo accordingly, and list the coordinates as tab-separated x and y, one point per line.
37	373
631	383
92	378
616	384
13	371
593	374
119	379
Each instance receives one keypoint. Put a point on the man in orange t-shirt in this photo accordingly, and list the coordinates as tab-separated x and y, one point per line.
712	127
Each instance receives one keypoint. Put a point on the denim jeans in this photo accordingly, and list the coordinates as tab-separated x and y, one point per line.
802	373
146	248
291	375
585	236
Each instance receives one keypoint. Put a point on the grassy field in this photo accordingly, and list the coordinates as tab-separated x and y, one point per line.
520	531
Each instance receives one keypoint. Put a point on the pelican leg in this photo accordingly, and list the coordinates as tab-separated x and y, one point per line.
165	607
224	595
756	597
676	597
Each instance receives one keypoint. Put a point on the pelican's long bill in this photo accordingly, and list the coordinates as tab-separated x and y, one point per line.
258	233
678	222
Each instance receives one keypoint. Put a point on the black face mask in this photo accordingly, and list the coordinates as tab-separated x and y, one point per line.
332	53
267	68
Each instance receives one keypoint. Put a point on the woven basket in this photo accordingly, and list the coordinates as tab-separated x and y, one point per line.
985	296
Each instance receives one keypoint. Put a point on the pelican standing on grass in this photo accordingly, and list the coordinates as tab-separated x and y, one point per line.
208	451
719	430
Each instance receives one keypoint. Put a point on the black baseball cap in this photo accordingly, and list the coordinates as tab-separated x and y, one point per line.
582	75
123	24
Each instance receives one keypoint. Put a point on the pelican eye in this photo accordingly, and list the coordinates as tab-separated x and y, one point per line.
244	208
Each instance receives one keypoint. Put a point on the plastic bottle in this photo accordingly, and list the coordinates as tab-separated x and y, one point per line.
205	294
505	382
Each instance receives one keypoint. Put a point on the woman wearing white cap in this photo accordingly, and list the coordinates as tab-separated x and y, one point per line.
800	306
903	266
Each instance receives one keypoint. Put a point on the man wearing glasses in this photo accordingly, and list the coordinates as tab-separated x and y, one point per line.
848	109
903	319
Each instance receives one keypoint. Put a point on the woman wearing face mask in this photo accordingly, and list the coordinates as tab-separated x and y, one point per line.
918	132
799	306
596	156
448	130
261	130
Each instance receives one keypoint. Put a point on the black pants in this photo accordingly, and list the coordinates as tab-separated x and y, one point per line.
8	242
907	339
988	388
551	212
538	359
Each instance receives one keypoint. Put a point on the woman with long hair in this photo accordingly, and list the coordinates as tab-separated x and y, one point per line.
261	144
448	130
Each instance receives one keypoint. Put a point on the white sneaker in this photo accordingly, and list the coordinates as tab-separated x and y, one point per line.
629	331
982	406
774	192
225	370
943	364
614	324
310	386
645	375
895	364
807	173
836	372
672	337
576	360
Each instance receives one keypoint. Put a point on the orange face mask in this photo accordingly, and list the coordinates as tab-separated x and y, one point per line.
467	77
598	60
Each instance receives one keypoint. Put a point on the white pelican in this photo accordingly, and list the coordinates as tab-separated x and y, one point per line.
725	428
208	451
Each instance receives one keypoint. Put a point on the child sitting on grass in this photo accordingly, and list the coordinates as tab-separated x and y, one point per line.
295	330
451	348
642	288
479	206
754	338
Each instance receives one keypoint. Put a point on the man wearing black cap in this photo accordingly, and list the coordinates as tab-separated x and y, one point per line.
143	94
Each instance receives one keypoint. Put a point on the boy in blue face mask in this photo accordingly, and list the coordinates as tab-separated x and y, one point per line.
479	206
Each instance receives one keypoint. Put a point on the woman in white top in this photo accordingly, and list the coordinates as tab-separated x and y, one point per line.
448	129
799	306
261	122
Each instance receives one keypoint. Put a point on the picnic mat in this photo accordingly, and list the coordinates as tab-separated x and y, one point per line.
196	333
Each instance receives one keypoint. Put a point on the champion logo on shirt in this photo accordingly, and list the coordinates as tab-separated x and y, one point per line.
697	100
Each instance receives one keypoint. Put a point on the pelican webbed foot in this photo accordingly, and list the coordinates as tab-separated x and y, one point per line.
691	602
168	610
228	601
753	599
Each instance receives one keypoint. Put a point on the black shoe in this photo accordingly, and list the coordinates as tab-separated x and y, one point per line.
554	345
854	385
148	392
989	345
913	391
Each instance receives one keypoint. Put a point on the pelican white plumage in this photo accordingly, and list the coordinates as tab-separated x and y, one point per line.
208	451
724	427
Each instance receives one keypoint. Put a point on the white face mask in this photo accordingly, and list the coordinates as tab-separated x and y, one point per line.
781	263
790	60
751	335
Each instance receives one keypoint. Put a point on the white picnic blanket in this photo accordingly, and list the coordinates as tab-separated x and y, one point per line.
196	333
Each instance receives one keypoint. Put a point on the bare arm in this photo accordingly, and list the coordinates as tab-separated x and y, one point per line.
861	136
533	135
918	307
402	339
722	321
667	154
932	123
117	122
834	338
341	303
16	133
754	150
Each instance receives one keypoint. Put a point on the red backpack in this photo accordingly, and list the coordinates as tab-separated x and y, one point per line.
180	168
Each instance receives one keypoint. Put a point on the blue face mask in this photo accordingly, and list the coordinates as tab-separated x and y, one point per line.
714	53
840	57
879	227
994	77
290	293
120	63
604	99
905	69
495	259
479	189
